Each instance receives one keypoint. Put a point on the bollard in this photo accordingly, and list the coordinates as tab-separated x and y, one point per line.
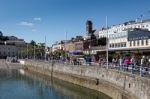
141	72
132	65
123	67
120	67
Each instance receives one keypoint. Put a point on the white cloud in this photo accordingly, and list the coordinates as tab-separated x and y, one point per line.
37	19
28	24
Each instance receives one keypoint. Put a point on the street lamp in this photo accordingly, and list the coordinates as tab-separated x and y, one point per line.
27	51
89	49
45	48
90	53
34	51
107	43
65	45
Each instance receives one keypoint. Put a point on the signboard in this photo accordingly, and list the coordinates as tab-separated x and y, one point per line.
138	35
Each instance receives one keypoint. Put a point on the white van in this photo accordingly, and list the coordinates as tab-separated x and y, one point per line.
81	61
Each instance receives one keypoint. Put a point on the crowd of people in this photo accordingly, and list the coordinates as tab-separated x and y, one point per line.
144	61
123	63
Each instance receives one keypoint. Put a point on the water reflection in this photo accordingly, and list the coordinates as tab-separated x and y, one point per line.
33	86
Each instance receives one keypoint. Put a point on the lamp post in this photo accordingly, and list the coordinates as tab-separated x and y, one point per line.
65	45
90	54
89	50
34	51
45	48
21	52
27	51
107	43
5	45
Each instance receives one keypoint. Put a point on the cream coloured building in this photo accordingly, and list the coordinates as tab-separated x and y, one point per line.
57	47
8	50
127	36
145	24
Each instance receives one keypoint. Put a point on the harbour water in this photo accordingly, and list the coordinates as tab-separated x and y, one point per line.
15	84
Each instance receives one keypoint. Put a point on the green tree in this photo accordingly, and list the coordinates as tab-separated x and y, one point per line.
32	47
33	42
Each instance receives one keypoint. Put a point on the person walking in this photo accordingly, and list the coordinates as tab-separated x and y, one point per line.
126	63
132	63
142	65
121	63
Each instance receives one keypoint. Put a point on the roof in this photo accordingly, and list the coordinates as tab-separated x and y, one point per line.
125	23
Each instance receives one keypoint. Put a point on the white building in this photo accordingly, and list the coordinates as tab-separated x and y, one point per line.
119	38
145	24
11	47
57	47
8	50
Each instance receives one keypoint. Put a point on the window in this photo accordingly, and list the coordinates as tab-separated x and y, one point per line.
114	36
112	45
13	53
123	35
124	45
130	43
119	45
138	43
146	42
133	43
116	45
119	35
8	53
142	42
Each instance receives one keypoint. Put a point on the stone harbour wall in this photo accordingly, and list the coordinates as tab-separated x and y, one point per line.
116	84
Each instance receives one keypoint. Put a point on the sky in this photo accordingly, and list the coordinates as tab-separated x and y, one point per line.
53	19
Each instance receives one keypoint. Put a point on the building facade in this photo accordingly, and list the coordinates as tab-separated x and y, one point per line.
8	50
139	39
130	35
12	46
70	46
57	47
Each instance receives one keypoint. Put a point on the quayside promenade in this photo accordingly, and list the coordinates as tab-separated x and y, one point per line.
7	65
114	83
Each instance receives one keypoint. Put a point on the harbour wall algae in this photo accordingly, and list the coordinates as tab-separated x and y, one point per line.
116	84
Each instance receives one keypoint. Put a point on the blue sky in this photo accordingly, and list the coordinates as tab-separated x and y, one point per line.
35	19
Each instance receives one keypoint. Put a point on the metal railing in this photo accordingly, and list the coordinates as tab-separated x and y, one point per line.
142	71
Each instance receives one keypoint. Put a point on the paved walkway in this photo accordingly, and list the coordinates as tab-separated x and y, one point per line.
8	65
3	64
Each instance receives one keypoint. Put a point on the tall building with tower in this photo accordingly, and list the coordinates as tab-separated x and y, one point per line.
89	31
89	28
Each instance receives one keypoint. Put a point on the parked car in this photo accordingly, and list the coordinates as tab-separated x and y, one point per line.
81	61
